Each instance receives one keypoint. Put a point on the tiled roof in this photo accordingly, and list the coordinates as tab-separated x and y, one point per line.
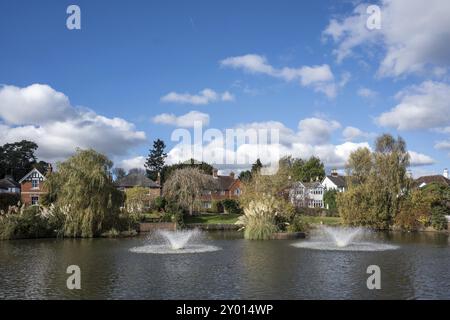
339	181
225	182
136	180
8	182
430	179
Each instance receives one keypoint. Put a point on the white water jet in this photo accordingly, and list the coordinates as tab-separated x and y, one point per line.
342	239
343	236
178	239
174	242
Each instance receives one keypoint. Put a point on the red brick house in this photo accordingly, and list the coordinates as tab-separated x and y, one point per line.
32	187
139	179
228	187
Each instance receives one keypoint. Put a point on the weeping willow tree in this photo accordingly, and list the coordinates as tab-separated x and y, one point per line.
187	186
83	189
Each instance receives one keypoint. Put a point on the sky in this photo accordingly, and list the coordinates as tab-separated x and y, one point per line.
141	70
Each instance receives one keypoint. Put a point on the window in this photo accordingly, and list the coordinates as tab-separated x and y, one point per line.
34	200
207	205
237	191
35	183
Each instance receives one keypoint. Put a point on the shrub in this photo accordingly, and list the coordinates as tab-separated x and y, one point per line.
159	203
30	222
259	219
298	224
329	199
7	200
231	206
438	219
137	200
217	206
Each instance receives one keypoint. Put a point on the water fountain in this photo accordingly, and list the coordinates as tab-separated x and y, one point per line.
174	242
342	239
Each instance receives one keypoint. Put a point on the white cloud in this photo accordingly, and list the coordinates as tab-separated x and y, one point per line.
420	159
37	103
131	163
185	121
60	134
319	77
425	106
316	130
367	93
352	134
204	97
414	35
443	145
312	139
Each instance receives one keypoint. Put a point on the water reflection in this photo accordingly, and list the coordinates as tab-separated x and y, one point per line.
33	269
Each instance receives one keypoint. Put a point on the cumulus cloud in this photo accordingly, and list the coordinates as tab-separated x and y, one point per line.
319	77
413	37
316	130
59	133
352	134
132	163
37	104
185	121
312	138
425	106
420	159
204	97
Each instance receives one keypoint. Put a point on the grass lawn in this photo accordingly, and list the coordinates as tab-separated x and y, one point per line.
329	221
213	219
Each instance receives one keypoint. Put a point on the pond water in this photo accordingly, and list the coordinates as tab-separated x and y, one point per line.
418	268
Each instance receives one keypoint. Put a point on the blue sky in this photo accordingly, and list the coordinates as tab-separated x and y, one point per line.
108	80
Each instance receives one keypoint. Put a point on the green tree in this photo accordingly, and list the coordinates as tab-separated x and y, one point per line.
256	167
186	186
17	158
305	171
329	199
156	159
86	193
245	175
376	200
359	165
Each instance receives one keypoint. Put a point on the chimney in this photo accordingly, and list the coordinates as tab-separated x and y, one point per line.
158	178
334	173
232	174
49	169
215	173
445	174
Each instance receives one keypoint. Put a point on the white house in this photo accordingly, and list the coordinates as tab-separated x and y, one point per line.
334	181
307	194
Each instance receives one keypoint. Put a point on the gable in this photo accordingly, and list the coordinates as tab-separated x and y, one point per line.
34	174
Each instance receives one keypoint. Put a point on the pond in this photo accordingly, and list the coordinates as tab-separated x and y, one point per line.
418	268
